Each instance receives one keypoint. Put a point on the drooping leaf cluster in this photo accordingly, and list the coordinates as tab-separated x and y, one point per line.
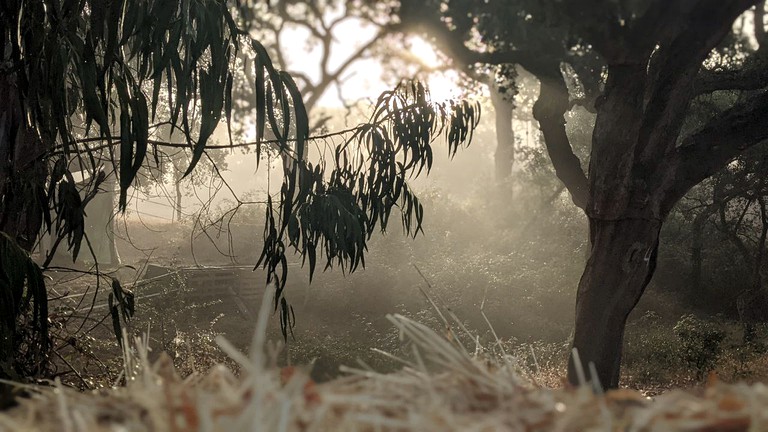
87	77
69	205
331	209
122	306
105	63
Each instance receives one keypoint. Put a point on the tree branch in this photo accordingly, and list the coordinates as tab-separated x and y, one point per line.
331	77
760	25
706	151
673	70
549	110
425	21
752	77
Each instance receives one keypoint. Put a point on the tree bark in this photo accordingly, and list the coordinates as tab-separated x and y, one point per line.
504	158
621	264
625	218
23	172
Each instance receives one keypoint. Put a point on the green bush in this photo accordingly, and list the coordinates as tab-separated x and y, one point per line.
652	355
700	343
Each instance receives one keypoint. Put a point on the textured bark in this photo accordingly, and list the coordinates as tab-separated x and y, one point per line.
619	268
625	215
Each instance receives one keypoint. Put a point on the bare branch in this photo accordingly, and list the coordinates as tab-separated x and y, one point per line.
305	23
332	77
278	31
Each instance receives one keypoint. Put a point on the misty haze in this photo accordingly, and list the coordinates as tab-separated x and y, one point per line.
353	215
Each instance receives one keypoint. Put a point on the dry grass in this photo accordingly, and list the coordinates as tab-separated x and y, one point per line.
444	386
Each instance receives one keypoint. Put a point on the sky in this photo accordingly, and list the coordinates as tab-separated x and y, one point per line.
363	80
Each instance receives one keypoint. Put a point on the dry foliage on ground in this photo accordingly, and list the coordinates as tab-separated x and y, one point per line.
444	386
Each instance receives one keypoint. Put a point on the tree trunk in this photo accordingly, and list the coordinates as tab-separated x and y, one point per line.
695	288
110	186
751	305
625	211
504	158
621	264
177	209
638	169
23	172
760	35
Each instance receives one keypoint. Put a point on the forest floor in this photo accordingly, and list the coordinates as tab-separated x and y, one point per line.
443	388
338	324
337	329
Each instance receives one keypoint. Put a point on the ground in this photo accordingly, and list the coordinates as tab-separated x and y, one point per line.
340	320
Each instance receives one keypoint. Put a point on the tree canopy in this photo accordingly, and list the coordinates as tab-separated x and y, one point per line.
641	67
84	76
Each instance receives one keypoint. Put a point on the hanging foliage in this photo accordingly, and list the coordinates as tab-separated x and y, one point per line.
77	72
108	65
332	208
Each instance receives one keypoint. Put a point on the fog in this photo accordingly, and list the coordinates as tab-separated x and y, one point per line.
502	253
510	249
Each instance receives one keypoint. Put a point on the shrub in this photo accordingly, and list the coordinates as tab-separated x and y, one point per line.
700	343
652	355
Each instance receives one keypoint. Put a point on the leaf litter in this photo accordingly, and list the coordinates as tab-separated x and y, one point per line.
444	387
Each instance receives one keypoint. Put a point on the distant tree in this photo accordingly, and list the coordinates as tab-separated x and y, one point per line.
503	89
638	65
324	24
735	203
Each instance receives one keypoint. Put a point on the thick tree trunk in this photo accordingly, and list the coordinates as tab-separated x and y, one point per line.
638	169
619	268
625	217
